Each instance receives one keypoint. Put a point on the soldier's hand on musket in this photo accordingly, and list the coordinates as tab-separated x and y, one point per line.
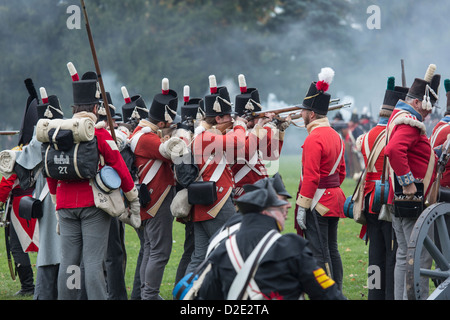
410	190
268	116
240	121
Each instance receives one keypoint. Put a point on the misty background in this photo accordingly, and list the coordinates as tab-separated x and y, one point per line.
279	45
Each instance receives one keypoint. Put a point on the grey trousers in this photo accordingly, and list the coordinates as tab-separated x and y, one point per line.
157	249
204	230
403	228
46	282
84	237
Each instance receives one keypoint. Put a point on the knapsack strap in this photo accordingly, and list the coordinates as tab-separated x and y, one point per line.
243	285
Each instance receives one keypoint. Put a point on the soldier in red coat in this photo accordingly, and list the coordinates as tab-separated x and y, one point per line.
83	227
412	163
320	201
439	135
382	244
217	141
263	141
23	234
156	175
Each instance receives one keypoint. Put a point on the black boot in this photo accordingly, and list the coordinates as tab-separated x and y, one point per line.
26	281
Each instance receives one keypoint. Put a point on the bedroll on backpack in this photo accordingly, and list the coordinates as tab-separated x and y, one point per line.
69	148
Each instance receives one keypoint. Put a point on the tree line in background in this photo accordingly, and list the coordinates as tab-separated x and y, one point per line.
139	42
279	45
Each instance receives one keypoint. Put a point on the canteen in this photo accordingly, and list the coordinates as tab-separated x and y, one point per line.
348	207
107	179
378	200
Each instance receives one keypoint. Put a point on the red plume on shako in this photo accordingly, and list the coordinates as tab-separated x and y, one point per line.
317	98
164	105
186	93
44	96
165	86
125	94
212	84
73	72
242	83
248	99
217	103
326	76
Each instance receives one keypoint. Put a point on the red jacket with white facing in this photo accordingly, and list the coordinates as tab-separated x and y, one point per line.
408	148
78	193
145	143
365	143
261	143
210	141
322	149
438	138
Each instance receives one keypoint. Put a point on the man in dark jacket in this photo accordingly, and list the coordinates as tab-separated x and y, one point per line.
288	269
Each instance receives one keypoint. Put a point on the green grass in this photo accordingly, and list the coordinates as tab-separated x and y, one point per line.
352	249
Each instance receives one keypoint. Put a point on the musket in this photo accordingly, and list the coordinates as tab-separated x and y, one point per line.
261	114
97	69
403	73
9	133
6	224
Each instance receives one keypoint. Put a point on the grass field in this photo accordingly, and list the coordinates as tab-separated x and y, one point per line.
353	250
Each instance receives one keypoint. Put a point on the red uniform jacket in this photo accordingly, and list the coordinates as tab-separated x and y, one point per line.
225	148
146	151
321	151
261	143
438	137
26	231
408	147
366	143
78	193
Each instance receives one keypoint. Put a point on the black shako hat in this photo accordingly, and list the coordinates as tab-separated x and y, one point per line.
30	117
248	100
102	116
134	107
193	108
86	90
260	198
50	107
277	183
447	93
164	105
393	94
426	89
317	99
217	103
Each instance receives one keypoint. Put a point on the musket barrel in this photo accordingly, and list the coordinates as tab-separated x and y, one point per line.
260	114
99	75
333	106
9	133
